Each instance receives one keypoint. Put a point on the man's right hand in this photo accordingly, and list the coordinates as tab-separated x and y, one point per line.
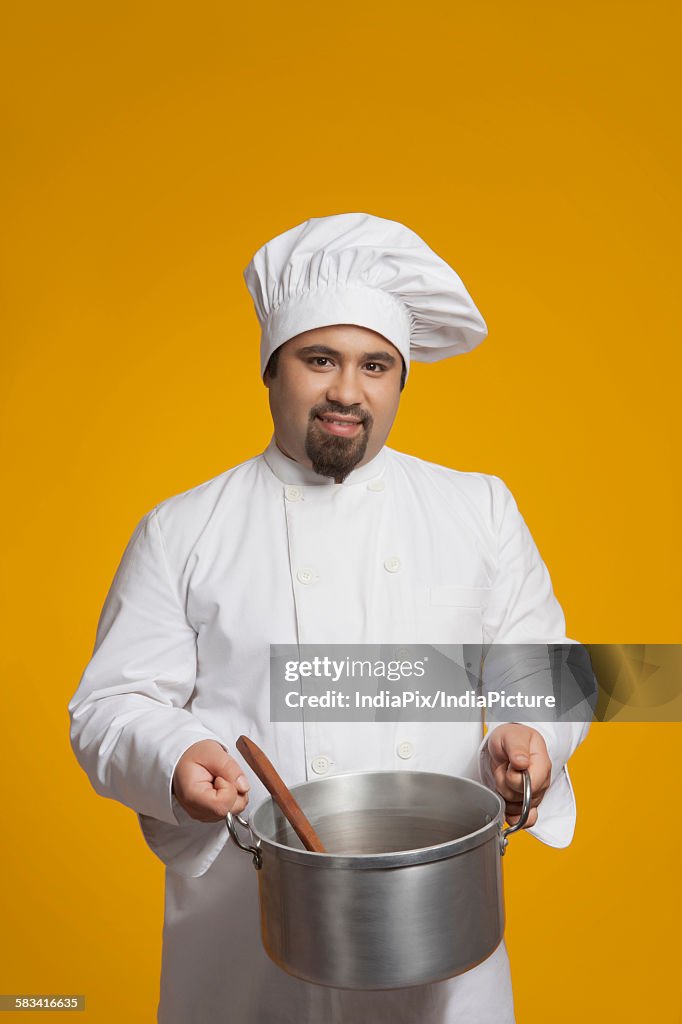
208	783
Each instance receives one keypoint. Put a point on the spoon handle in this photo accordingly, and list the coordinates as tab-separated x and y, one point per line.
256	760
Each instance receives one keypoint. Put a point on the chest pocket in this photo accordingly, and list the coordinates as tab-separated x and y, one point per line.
454	614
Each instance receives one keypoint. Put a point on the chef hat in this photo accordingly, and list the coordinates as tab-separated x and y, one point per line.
353	268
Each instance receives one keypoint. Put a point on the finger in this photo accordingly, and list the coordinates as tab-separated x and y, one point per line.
532	818
504	785
519	757
510	783
539	781
216	786
508	774
510	745
540	763
229	797
514	777
240	804
212	805
218	763
234	773
516	806
514	774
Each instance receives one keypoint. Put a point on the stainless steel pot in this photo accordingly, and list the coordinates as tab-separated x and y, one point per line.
410	891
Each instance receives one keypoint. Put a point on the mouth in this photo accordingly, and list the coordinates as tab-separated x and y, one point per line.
341	426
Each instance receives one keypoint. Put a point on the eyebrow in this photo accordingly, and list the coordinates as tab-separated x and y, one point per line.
325	350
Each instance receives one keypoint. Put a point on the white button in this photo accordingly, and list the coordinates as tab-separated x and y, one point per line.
320	764
376	485
405	750
305	576
293	493
392	564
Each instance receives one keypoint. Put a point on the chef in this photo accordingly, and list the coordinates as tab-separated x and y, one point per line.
327	537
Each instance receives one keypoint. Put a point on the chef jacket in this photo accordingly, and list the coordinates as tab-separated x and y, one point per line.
402	552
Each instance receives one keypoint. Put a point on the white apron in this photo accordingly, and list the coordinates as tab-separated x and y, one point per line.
402	552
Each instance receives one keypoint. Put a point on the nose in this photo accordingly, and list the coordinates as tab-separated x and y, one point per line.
346	387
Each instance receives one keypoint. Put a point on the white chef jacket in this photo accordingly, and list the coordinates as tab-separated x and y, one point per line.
402	552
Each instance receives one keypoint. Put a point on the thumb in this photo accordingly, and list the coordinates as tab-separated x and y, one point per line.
516	747
519	758
220	783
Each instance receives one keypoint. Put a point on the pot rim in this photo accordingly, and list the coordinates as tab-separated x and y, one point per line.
396	859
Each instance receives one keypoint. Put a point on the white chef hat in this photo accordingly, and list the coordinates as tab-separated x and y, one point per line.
353	268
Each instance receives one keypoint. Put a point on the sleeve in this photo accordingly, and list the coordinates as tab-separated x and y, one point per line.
523	610
129	725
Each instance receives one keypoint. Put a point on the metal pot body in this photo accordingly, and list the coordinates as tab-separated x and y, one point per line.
410	891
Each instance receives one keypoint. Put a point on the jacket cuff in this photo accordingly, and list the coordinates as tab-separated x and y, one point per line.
557	811
188	847
182	843
140	770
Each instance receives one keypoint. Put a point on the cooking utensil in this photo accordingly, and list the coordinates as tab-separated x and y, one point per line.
409	891
264	769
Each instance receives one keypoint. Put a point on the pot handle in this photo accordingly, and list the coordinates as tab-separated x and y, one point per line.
255	850
525	811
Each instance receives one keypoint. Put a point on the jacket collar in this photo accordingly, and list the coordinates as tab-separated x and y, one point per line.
288	471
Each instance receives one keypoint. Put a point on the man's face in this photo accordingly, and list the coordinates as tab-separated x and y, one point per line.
334	396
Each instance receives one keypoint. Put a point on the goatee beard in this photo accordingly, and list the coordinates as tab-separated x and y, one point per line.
330	454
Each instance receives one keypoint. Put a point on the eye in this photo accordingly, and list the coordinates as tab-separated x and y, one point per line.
375	367
320	361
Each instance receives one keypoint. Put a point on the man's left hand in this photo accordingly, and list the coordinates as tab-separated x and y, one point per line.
513	749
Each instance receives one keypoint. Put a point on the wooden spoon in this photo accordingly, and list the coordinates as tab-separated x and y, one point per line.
256	759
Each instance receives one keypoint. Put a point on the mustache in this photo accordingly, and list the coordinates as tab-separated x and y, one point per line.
341	410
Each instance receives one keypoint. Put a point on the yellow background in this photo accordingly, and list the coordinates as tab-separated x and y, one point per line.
150	148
